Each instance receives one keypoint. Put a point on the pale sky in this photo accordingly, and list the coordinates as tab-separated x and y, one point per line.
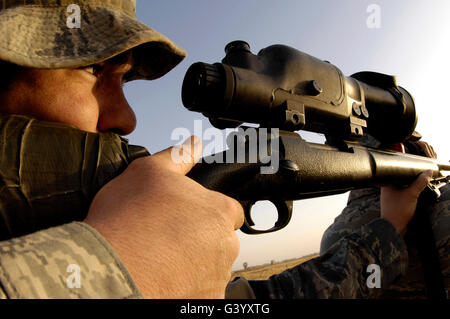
412	42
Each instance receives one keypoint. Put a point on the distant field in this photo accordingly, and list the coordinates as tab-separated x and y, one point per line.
265	271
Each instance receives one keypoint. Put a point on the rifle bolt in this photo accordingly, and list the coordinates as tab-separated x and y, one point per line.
289	166
315	88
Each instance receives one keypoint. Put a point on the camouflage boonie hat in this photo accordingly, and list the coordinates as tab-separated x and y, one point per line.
48	34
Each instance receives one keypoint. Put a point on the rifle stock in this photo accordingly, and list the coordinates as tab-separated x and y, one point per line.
308	170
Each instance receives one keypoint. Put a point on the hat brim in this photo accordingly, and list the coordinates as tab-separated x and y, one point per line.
39	37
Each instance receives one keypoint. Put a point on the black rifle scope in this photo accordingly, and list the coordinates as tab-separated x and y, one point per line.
285	88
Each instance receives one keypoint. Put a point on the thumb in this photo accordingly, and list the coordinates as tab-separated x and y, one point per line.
420	183
181	158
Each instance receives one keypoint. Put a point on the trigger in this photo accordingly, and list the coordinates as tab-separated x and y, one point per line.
247	206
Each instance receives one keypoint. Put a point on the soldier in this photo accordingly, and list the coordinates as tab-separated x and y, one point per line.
144	234
343	269
346	246
364	206
55	71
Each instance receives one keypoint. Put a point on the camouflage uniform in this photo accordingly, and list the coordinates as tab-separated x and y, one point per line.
38	265
38	191
39	261
341	272
363	207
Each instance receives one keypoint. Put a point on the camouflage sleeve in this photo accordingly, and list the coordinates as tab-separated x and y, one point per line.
342	272
68	261
363	206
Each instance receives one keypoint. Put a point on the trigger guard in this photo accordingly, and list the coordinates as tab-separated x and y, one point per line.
284	209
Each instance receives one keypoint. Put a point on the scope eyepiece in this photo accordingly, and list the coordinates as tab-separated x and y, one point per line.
203	87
